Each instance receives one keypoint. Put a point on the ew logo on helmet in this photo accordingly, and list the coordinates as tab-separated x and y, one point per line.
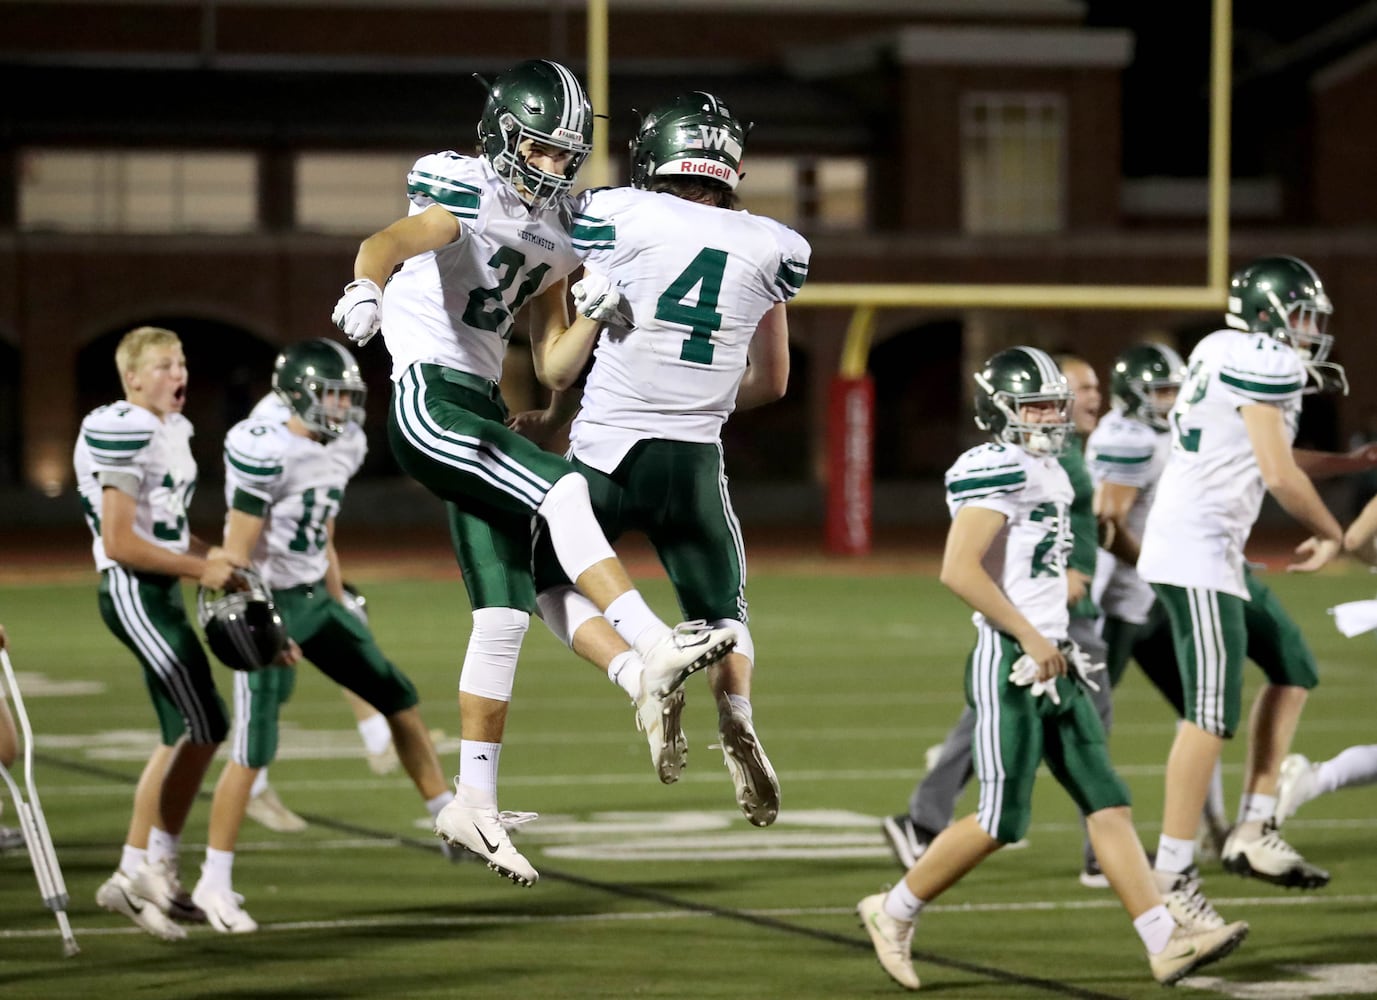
717	137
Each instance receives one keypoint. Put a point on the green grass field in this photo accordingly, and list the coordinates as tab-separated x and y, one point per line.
647	890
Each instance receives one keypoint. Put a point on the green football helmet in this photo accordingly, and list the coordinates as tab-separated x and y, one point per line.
693	135
543	102
1013	379
1140	374
1282	297
321	383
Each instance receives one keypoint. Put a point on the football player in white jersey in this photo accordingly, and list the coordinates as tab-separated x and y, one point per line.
1233	426
265	806
284	483
485	236
1006	555
703	288
136	475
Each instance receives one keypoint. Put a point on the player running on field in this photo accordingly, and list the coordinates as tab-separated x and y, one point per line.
1005	556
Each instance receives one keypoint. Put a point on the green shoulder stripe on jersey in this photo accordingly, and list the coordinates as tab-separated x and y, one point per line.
248	503
791	276
1122	459
248	469
101	442
593	233
1254	387
461	199
978	485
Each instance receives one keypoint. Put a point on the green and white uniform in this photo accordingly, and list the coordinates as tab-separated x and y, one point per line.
697	281
1207	501
296	485
1014	731
1127	452
446	319
130	449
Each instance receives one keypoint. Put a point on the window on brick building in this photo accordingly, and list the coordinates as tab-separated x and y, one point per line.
1013	156
127	191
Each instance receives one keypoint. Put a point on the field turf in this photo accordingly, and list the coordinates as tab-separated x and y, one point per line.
648	890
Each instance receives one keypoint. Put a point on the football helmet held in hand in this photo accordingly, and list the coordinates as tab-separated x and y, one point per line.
319	379
242	626
355	603
1023	399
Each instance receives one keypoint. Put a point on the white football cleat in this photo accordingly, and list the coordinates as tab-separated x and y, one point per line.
659	718
1185	902
480	829
1296	787
1187	951
224	910
757	787
892	939
1255	849
266	808
687	649
161	882
385	761
117	895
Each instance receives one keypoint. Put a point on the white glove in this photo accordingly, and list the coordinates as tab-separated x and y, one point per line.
357	312
1025	674
1079	661
597	298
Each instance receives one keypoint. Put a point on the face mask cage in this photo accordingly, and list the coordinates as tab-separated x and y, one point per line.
1304	325
537	188
1040	438
332	405
1153	409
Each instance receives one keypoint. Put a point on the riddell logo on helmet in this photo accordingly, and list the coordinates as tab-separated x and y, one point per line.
719	170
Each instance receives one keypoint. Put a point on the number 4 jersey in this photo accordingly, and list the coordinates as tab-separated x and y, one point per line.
697	280
296	484
1211	491
132	450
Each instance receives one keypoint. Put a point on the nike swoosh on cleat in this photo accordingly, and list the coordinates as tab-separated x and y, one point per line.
1185	954
492	848
134	902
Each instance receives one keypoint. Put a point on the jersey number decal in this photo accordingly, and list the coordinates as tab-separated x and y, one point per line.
1189	440
486	309
173	532
1043	565
310	530
702	318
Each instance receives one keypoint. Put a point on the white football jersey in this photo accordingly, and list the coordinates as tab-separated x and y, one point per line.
1128	452
130	448
455	306
697	280
296	484
272	409
1211	490
1028	556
